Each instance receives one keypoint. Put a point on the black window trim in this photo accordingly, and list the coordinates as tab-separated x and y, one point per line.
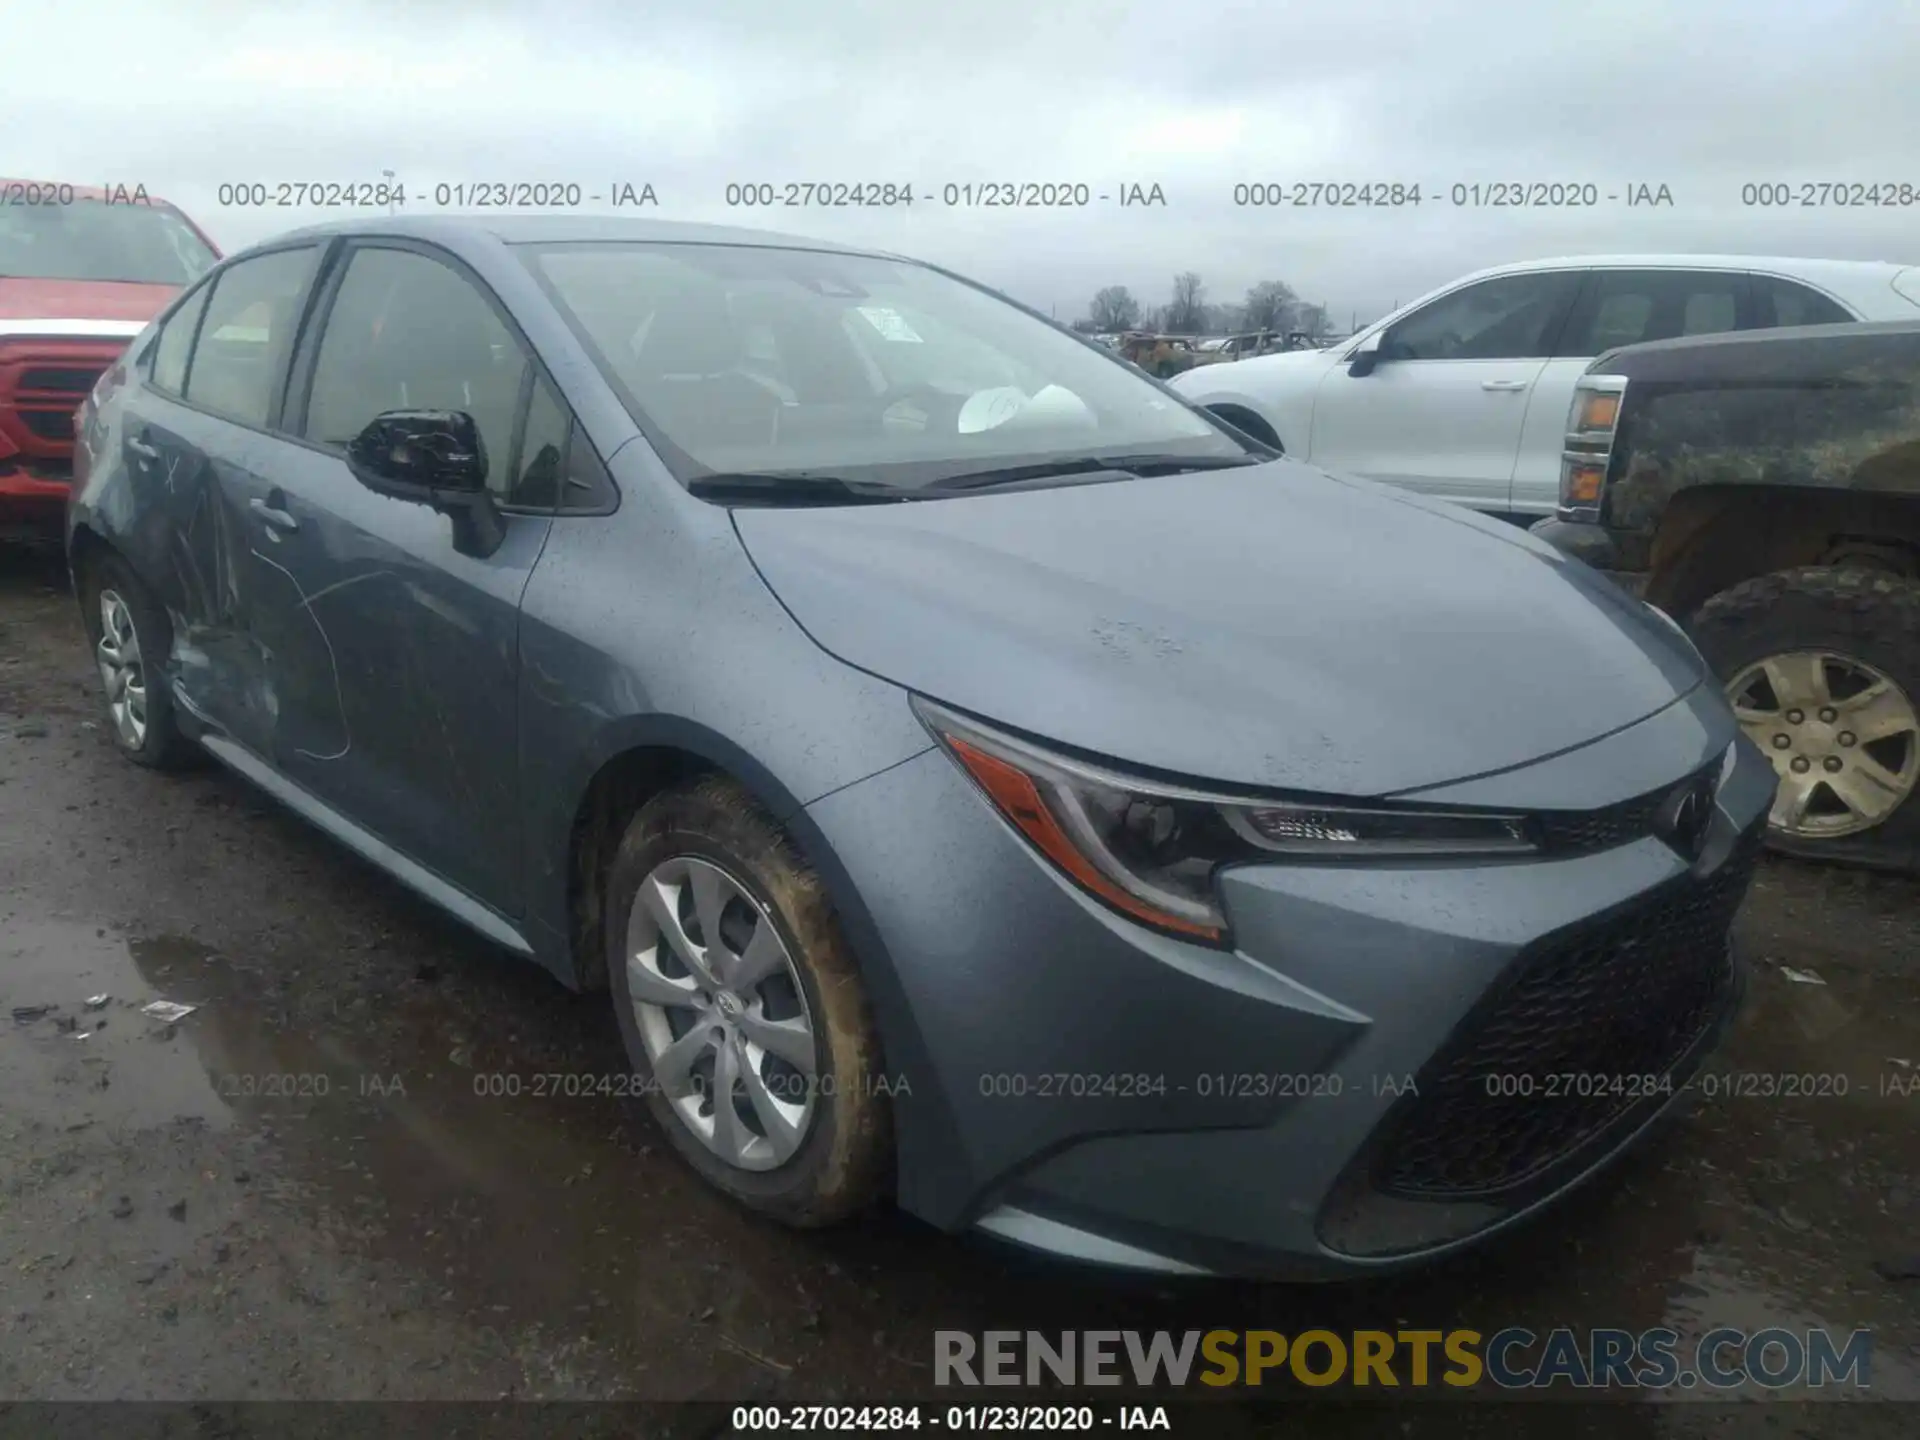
1551	343
292	417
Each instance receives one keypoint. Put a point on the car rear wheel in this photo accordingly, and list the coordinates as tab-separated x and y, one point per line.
741	1008
1822	666
128	631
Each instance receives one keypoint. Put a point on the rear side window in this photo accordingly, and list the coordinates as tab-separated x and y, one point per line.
247	335
1628	307
1782	302
176	344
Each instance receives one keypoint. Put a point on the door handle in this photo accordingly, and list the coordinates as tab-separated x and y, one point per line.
142	448
1503	384
272	516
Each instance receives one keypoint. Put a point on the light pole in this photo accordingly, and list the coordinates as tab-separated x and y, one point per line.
387	175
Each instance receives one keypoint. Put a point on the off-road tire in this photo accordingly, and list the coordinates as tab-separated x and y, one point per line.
846	1159
164	747
1865	614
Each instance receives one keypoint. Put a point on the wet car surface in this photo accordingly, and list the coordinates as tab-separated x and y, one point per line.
379	1159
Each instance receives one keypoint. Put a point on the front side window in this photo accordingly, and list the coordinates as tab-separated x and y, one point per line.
247	334
762	360
1510	317
407	332
91	240
1628	307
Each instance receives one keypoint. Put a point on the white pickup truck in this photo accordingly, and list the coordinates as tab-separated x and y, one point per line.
1463	394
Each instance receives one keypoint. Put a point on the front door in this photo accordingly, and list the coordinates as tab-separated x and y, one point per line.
421	640
1443	409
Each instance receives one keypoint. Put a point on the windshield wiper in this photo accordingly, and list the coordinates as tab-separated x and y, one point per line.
1089	465
794	488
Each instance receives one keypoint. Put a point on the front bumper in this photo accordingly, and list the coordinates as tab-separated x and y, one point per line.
1072	1082
1596	546
32	506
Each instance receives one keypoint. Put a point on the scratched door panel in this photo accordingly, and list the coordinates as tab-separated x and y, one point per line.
190	484
421	655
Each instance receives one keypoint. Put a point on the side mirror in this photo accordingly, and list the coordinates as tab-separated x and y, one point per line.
436	458
1366	357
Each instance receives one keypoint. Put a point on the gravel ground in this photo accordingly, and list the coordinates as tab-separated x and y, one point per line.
300	1192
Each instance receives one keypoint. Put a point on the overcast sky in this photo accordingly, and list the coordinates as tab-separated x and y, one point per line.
1702	97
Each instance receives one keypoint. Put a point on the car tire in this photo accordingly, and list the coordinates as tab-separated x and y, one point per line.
140	714
1840	634
712	829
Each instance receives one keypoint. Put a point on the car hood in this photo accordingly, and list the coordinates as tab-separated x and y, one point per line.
23	298
1271	627
1304	361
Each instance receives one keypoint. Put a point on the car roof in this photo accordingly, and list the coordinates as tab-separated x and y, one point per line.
562	229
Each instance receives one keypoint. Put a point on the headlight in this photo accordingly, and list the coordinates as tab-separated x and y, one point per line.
1150	849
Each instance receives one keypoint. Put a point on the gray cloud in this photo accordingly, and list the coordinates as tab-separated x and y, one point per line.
1194	97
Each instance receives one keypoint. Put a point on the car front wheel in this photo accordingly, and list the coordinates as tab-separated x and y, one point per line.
742	1010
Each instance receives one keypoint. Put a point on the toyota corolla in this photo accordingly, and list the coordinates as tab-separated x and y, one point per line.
974	775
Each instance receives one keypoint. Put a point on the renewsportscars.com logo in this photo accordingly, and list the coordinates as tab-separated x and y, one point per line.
1511	1359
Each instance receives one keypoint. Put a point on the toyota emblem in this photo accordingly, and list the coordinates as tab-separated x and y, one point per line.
1686	819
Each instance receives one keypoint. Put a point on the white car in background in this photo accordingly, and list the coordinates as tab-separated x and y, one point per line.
1464	393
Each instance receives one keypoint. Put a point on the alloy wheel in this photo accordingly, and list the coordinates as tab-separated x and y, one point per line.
722	1013
1843	737
122	669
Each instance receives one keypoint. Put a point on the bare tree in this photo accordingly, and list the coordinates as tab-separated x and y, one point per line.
1272	305
1186	312
1114	308
1313	320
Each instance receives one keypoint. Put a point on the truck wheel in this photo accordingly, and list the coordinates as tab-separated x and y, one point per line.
742	1010
1822	666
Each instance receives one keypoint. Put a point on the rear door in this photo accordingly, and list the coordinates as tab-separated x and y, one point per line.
422	640
196	439
1616	307
1442	410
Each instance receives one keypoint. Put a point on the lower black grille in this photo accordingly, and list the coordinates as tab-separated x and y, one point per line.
1584	1032
50	424
75	380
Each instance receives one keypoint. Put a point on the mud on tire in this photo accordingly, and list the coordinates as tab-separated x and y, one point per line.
164	746
1860	615
845	1159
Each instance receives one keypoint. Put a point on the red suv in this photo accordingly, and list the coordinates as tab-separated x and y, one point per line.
82	271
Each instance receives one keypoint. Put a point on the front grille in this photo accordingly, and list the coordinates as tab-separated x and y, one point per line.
76	381
1567	832
1565	1049
50	424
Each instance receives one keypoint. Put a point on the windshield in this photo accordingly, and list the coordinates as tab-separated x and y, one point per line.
746	359
91	240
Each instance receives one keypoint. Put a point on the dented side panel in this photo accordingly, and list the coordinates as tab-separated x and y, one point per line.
1827	407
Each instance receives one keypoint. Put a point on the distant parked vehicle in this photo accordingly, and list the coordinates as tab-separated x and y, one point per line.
1765	490
1463	393
1222	349
81	274
1159	355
